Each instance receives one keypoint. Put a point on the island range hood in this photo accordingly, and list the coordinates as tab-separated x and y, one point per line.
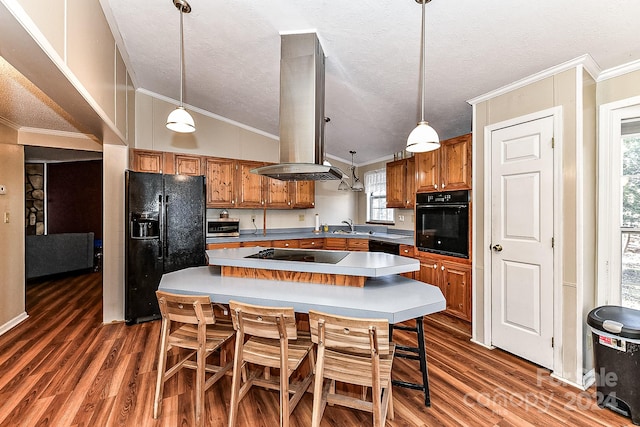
301	113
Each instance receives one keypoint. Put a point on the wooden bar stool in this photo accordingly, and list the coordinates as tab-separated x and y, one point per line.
188	322
267	336
354	351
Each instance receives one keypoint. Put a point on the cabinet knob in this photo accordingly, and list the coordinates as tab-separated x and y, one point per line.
406	251
443	185
436	185
435	265
233	201
313	243
442	268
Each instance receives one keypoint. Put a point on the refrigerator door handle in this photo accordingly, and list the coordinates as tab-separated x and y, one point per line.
166	218
162	227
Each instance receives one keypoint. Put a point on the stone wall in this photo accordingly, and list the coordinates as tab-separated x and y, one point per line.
34	198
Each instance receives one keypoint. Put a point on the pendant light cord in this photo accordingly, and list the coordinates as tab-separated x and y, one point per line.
422	59
181	56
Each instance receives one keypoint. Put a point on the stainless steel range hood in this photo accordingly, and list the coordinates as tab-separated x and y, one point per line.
301	113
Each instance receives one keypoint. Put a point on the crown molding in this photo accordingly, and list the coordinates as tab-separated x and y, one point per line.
610	73
585	61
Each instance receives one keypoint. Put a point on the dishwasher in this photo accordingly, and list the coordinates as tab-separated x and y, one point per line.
386	247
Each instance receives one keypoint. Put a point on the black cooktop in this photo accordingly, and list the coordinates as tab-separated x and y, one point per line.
300	255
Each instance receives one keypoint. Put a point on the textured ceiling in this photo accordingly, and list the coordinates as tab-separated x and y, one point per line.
232	52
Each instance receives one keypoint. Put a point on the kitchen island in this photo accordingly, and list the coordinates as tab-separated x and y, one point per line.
312	266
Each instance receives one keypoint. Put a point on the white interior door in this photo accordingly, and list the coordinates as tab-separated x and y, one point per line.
522	235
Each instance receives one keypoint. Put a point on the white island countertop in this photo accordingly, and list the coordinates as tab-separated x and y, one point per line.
394	297
365	264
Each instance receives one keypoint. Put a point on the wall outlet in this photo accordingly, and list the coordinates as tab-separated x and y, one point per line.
301	217
401	218
253	218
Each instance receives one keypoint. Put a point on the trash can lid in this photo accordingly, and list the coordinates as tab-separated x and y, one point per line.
622	321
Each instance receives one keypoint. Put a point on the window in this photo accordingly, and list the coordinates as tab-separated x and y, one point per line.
375	187
630	210
618	215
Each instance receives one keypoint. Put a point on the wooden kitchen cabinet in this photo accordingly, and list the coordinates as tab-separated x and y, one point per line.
361	245
188	165
447	168
454	280
262	243
304	194
220	178
277	193
401	183
146	161
335	243
286	243
225	245
249	191
314	243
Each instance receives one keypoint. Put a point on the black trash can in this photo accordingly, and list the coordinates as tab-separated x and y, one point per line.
616	346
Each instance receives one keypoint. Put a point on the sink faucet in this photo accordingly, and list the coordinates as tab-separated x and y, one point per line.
349	222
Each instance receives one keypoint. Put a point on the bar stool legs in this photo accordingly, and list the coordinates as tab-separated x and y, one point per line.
414	353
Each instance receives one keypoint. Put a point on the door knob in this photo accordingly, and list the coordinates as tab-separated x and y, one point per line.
497	248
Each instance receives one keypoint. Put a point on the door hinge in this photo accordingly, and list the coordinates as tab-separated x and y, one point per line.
553	242
553	142
552	342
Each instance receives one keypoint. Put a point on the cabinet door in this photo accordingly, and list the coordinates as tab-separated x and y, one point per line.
188	165
427	172
335	243
277	192
455	163
361	245
249	193
430	272
220	182
456	278
304	194
410	183
396	176
146	161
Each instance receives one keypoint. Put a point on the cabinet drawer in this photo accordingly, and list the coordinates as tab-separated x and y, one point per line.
226	245
312	243
335	243
286	243
263	243
407	250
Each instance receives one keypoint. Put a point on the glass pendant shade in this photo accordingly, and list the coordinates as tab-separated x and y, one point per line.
343	186
423	138
180	120
357	185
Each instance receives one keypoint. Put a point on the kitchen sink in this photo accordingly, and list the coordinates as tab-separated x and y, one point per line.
362	233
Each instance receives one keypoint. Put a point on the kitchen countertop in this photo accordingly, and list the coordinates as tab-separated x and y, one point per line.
393	297
296	234
365	264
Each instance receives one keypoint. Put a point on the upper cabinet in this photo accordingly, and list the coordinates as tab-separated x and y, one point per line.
220	180
448	168
230	183
401	183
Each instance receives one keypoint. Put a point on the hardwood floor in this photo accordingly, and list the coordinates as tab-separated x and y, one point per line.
63	367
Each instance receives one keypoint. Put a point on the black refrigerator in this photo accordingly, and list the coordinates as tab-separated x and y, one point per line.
165	217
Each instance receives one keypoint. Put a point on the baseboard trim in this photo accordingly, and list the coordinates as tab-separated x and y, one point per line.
13	322
569	382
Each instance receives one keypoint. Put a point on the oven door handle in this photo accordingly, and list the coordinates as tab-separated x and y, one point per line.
445	205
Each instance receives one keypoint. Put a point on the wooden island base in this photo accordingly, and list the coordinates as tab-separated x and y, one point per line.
294	276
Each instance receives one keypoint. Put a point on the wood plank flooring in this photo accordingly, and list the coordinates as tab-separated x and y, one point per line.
63	367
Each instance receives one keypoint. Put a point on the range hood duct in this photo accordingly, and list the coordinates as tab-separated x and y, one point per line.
301	112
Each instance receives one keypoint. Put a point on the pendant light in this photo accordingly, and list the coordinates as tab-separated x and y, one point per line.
423	137
180	120
356	183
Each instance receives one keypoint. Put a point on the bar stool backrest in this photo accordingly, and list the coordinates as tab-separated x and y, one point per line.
348	334
264	322
191	309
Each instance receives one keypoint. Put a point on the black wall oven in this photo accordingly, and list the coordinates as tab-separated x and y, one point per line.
442	223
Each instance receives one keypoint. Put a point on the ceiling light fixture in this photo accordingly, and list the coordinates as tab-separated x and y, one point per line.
423	137
356	183
180	120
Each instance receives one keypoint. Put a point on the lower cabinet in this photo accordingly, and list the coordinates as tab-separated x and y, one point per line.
454	280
